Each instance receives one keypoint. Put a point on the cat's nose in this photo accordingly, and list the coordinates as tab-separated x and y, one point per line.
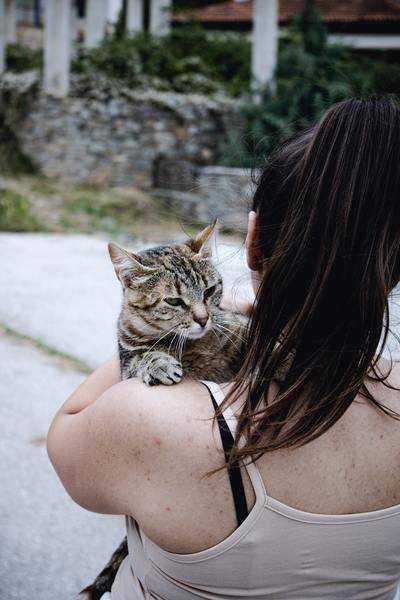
202	321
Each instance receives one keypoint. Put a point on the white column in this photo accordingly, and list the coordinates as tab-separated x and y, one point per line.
57	46
265	40
74	27
160	16
11	21
114	6
134	19
96	22
3	36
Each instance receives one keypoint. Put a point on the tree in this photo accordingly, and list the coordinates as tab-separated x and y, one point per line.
120	25
310	24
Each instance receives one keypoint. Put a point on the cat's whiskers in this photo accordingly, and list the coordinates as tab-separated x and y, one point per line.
158	340
239	337
183	335
178	347
213	331
185	340
222	332
181	343
175	338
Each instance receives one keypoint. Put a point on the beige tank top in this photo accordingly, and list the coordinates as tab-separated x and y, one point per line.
277	553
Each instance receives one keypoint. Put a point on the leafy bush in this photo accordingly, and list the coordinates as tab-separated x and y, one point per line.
13	106
21	58
310	76
12	158
14	103
16	212
186	60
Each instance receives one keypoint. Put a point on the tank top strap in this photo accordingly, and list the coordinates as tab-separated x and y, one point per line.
231	420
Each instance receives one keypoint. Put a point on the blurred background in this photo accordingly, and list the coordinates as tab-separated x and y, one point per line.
138	121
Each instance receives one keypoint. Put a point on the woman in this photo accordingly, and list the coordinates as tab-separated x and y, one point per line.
318	515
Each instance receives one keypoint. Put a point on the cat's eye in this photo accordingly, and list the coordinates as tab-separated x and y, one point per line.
209	291
174	301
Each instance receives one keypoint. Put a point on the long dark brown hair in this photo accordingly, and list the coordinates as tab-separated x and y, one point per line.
328	205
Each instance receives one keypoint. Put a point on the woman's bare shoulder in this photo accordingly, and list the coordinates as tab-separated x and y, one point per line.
161	420
187	400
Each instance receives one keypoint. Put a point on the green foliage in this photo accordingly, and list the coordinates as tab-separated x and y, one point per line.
309	23
120	26
21	58
16	212
12	159
186	60
310	76
13	107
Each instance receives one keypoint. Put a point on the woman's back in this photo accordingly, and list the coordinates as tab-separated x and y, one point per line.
354	467
304	536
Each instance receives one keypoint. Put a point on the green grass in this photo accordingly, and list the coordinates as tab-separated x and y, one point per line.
16	212
33	203
68	359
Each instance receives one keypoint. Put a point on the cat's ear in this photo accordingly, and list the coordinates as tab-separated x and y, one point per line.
203	242
127	265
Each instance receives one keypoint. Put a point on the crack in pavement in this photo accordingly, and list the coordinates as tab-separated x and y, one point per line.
67	360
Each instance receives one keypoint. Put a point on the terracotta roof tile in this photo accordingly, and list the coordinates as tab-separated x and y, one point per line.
331	10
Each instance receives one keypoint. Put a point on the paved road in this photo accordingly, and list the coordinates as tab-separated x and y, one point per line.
60	289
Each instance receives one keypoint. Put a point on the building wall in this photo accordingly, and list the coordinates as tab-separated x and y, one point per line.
30	12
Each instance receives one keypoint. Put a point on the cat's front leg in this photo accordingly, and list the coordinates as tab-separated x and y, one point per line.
159	367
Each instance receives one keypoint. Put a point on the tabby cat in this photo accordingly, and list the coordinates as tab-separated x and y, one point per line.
170	325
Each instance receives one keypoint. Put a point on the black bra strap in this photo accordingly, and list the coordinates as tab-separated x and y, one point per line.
235	476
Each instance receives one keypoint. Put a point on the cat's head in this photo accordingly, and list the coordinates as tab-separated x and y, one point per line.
169	289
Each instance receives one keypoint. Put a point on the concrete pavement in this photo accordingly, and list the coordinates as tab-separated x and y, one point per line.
50	547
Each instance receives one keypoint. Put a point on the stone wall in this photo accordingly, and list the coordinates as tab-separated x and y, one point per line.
165	142
146	139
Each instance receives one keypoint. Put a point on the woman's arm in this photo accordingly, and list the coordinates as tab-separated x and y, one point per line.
81	431
99	381
108	441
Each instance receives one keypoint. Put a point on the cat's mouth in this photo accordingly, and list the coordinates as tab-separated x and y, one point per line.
196	335
197	331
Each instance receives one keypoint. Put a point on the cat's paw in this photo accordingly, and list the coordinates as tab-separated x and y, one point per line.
160	368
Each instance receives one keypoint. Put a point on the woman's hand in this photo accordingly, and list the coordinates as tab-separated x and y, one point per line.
236	304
